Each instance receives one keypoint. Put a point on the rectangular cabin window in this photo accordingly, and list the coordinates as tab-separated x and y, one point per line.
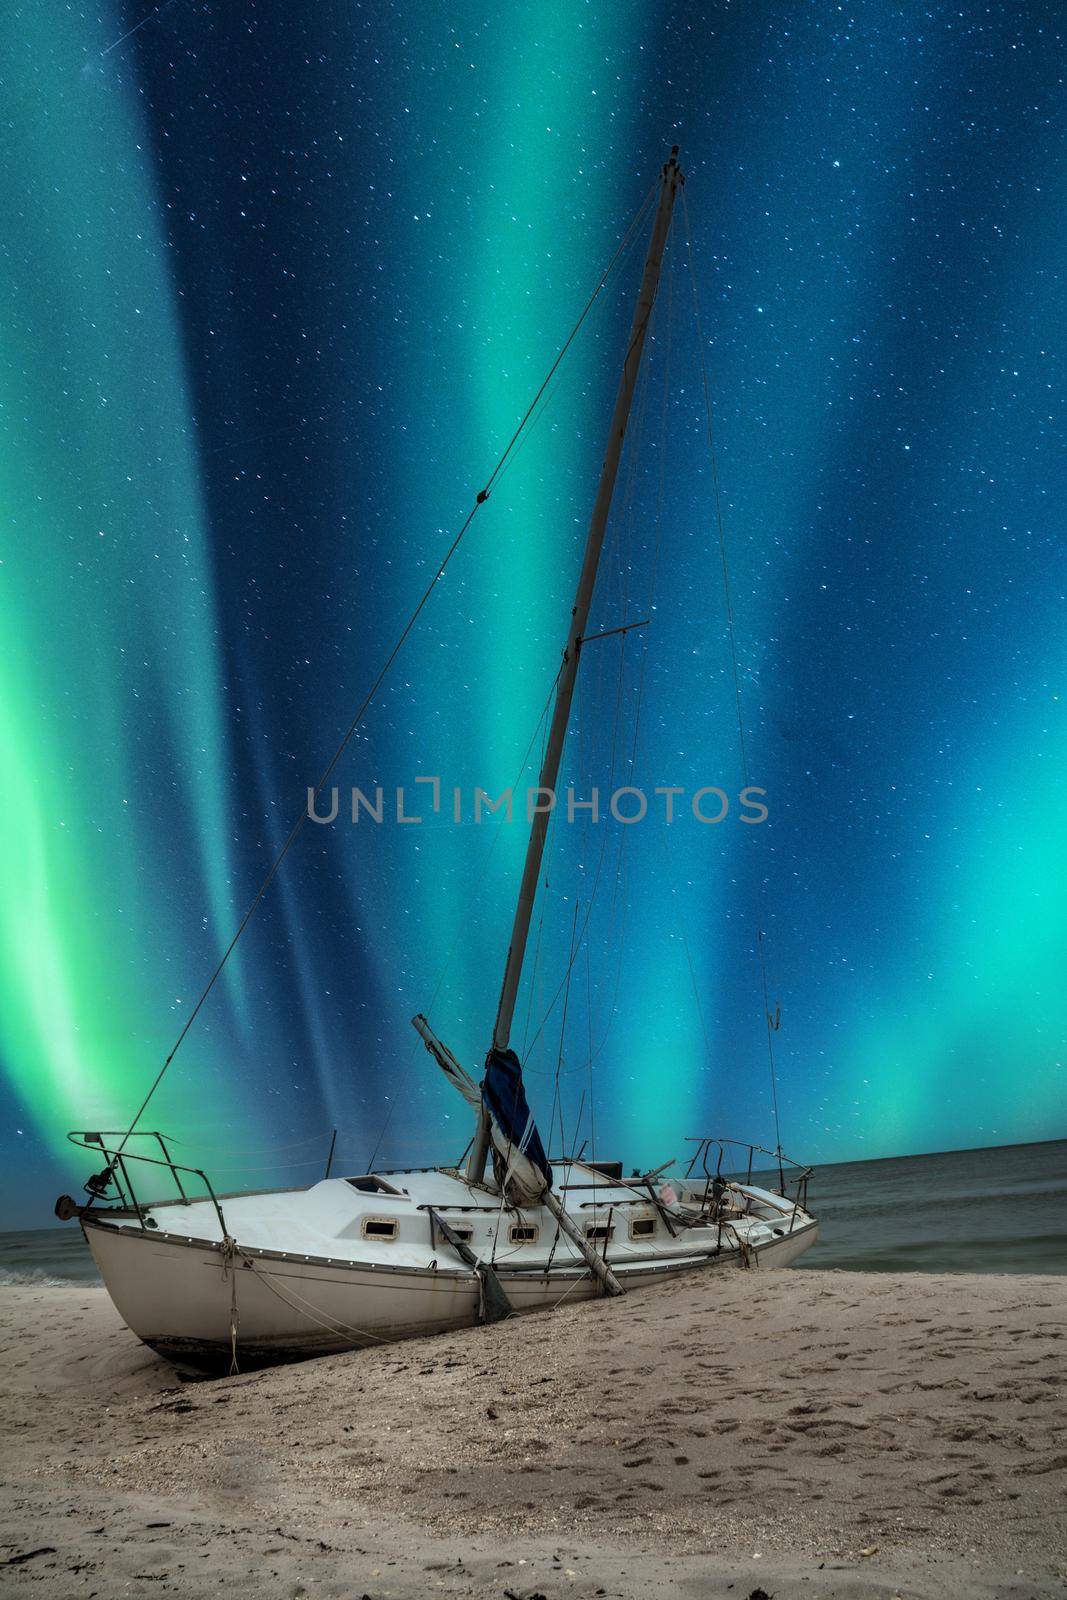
523	1233
642	1227
598	1233
464	1235
379	1228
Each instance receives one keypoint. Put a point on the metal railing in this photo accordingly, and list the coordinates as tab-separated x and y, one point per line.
118	1162
710	1148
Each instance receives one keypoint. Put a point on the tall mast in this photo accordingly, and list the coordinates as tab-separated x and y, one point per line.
670	179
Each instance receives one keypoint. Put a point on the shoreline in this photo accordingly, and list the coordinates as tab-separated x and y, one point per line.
810	1433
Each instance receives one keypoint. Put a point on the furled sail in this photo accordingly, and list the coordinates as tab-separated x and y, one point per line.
522	1165
522	1168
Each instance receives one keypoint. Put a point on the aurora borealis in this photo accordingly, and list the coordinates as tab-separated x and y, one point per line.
277	284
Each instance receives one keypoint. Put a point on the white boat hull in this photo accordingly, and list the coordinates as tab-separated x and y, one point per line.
194	1300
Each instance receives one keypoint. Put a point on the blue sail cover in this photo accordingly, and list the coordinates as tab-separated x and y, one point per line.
504	1098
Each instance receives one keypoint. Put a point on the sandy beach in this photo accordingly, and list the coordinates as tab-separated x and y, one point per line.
800	1434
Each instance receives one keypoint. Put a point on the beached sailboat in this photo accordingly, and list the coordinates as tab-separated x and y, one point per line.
228	1279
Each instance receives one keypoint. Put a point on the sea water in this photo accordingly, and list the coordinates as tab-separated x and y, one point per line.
1002	1210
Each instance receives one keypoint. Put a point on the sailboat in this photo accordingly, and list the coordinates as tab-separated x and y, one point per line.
236	1280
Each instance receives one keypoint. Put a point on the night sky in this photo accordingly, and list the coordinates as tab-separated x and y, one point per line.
278	282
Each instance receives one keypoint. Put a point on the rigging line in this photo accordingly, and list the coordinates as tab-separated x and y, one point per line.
622	255
692	971
620	924
650	607
592	896
306	1309
273	1166
589	1031
620	523
535	972
308	426
565	980
482	496
461	929
586	764
500	1207
717	500
264	1150
735	668
661	494
633	343
557	1103
623	545
566	976
577	1150
579	1280
620	537
623	244
534	423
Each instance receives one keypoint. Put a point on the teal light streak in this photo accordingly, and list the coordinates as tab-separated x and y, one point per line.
110	671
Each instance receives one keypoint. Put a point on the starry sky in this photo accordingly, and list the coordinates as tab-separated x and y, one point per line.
278	283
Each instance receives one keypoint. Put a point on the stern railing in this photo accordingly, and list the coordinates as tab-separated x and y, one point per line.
793	1175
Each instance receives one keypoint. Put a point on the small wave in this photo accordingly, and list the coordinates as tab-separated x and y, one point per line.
38	1278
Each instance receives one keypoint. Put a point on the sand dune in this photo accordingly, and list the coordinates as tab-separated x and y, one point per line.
815	1434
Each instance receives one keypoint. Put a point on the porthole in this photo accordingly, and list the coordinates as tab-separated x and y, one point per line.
380	1228
642	1227
523	1233
599	1233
